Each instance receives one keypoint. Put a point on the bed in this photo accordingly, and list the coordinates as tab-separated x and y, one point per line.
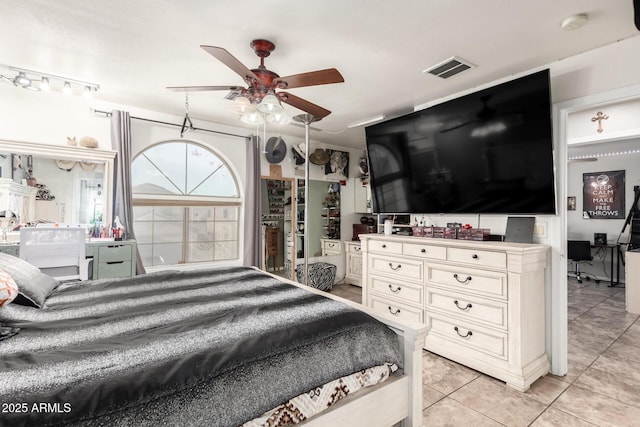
208	347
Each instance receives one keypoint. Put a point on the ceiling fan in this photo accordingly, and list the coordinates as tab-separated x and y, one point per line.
262	82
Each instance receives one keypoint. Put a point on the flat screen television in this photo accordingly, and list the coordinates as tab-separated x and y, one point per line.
489	152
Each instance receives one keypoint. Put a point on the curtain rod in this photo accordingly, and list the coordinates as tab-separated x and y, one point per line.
108	114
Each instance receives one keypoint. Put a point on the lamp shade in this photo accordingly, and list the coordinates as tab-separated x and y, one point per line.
270	104
254	118
241	105
279	118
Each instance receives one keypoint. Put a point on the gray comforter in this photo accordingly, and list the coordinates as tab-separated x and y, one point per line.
209	347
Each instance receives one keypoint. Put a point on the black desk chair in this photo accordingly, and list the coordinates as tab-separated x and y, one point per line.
579	251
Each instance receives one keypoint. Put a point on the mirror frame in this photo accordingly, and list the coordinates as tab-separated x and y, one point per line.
69	152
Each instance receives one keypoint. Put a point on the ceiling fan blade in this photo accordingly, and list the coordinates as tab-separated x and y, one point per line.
202	88
230	61
304	105
313	78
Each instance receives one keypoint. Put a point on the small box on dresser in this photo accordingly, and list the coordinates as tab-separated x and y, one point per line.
484	301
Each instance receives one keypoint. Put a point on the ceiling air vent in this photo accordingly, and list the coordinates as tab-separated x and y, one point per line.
450	67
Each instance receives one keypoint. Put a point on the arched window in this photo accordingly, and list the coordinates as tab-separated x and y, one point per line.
186	204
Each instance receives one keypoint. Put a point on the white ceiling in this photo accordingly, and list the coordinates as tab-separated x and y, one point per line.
134	49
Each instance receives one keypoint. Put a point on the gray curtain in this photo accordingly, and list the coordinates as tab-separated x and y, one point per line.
253	205
122	204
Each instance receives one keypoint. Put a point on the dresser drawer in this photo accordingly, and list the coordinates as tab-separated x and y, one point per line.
467	308
385	247
114	269
13	250
113	253
425	251
482	258
354	249
478	282
331	247
402	291
395	309
468	335
398	268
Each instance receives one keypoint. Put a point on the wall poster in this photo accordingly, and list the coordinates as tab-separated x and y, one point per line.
603	195
338	163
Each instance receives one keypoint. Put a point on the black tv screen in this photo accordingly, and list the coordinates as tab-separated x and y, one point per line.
487	152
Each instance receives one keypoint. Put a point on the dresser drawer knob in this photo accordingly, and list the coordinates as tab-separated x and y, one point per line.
356	248
396	290
467	280
468	306
467	335
395	313
395	268
474	256
424	251
384	246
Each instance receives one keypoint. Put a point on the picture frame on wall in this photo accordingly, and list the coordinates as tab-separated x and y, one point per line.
338	163
603	195
571	203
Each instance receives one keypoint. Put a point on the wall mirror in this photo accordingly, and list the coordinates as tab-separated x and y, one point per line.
70	184
324	214
283	228
278	226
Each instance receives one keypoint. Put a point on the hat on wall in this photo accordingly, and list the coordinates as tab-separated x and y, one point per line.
276	149
65	165
298	153
319	157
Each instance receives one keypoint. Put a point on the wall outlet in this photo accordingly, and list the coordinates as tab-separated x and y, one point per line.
540	229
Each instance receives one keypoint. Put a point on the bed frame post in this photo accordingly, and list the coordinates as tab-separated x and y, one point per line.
413	342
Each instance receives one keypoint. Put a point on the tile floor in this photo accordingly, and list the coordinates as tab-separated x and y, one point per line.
602	387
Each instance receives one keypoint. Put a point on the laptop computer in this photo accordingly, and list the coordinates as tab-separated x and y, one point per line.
520	229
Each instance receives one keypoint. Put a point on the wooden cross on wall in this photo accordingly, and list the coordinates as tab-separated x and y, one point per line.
599	118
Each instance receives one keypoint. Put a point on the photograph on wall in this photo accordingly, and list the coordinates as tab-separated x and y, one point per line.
603	195
571	203
338	163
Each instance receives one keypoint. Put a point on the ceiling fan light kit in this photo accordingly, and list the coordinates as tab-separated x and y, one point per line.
270	104
262	98
242	105
254	118
279	118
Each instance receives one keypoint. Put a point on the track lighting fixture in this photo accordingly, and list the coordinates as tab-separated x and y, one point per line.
38	81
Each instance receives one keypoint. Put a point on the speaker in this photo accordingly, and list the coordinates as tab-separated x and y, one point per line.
600	239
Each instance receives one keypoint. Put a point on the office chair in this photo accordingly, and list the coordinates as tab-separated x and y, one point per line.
579	251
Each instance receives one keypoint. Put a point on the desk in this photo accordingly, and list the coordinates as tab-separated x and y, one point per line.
111	259
615	249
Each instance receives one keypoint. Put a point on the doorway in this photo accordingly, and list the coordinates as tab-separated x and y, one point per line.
277	230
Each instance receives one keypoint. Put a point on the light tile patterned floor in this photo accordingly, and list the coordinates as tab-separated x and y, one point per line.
602	387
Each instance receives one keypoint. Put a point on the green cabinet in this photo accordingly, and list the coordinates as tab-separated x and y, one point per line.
111	259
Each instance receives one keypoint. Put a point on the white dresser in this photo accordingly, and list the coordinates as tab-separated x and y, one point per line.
484	301
353	264
331	247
